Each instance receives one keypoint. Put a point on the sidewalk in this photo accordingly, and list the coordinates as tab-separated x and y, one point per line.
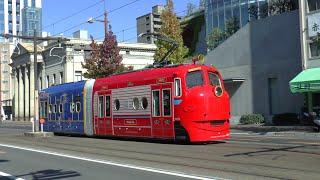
16	124
306	131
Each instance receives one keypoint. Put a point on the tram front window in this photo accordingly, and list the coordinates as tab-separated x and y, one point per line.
214	79
194	78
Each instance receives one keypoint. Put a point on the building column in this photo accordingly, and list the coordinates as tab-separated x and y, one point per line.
27	94
21	94
32	89
16	93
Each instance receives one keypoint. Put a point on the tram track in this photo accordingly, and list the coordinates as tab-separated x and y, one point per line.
162	158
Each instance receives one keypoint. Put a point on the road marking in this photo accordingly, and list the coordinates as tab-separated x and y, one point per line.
2	174
141	168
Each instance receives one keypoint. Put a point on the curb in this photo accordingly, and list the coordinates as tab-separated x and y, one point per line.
39	134
304	134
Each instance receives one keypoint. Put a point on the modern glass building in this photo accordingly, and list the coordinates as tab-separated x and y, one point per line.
219	11
32	17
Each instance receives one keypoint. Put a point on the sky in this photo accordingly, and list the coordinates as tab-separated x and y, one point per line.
64	16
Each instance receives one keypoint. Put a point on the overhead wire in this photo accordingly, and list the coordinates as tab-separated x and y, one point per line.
74	14
111	11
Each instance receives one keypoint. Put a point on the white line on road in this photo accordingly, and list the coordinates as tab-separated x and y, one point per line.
160	171
2	174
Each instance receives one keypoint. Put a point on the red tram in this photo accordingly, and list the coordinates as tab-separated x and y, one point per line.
175	102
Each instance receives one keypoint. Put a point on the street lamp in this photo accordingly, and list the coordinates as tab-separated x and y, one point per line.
105	21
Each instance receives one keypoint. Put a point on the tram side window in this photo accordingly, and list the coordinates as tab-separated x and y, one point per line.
43	109
108	106
194	78
166	102
177	85
78	107
155	103
101	106
50	108
72	105
60	108
54	110
214	79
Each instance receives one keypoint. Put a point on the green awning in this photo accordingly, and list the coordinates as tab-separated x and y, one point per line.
306	81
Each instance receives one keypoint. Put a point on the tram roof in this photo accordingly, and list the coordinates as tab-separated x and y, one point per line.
67	87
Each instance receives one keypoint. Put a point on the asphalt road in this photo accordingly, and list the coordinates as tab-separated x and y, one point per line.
242	157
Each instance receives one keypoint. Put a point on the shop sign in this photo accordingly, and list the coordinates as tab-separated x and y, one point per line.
313	24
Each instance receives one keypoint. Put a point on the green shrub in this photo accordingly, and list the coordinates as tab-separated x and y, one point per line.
285	119
252	119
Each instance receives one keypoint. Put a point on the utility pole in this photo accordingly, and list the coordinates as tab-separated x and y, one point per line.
105	24
36	41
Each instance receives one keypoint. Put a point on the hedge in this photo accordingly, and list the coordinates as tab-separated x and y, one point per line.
252	119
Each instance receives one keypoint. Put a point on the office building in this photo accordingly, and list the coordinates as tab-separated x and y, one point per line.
218	12
149	23
307	82
32	17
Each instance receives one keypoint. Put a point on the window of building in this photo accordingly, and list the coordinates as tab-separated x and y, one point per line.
127	52
194	78
54	79
314	50
61	78
313	5
47	82
40	82
78	76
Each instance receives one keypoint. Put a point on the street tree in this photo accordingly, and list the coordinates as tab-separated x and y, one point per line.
253	12
281	6
105	58
170	28
232	26
215	38
190	8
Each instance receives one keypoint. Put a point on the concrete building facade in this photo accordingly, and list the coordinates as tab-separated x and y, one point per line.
149	23
258	62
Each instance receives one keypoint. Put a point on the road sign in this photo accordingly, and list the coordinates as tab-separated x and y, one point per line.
42	121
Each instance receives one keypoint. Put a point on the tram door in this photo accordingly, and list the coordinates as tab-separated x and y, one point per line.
103	121
162	110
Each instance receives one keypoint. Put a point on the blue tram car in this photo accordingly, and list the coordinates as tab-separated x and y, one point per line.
62	107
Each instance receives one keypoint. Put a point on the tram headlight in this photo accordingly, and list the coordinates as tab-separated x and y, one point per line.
218	91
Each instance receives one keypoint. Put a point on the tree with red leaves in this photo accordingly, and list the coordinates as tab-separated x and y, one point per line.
105	58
